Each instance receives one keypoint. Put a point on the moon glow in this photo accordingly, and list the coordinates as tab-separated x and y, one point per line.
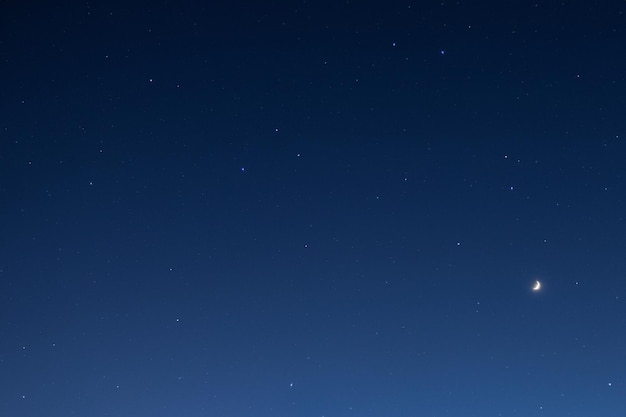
537	286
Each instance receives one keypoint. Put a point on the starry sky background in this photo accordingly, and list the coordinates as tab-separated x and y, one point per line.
313	209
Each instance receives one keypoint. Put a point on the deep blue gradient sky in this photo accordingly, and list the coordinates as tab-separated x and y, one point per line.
313	209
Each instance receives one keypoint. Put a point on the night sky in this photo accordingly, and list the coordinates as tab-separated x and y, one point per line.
313	209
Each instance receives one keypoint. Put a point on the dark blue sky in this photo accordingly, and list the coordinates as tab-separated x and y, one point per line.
314	209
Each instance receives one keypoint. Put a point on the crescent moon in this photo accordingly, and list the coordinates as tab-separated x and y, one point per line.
537	286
